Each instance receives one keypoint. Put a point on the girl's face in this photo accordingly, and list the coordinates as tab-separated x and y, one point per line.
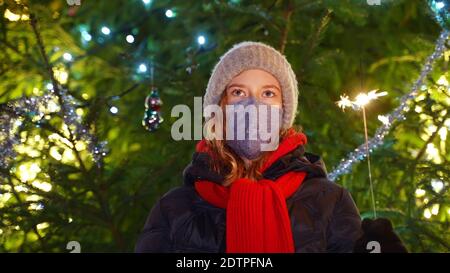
256	83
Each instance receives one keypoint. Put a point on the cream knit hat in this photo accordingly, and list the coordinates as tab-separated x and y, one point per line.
254	55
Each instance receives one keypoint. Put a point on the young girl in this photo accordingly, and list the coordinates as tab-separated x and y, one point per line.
238	198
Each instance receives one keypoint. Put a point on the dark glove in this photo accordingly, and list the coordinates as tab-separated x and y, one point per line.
381	235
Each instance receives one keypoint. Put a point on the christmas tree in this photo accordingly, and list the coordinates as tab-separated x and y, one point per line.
87	87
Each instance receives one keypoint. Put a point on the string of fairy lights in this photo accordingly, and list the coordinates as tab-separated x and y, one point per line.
57	99
11	120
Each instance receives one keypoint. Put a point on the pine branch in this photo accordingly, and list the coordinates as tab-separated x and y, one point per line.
48	66
98	192
287	18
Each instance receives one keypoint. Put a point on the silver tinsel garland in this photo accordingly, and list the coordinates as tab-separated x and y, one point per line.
397	115
27	108
10	123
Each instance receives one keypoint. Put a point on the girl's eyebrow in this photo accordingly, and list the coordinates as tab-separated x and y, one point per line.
272	86
244	86
236	85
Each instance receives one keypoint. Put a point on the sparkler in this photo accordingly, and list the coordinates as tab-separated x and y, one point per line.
359	104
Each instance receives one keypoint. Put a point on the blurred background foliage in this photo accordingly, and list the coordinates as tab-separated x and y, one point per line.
53	193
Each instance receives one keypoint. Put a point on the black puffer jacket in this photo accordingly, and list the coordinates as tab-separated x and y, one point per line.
323	216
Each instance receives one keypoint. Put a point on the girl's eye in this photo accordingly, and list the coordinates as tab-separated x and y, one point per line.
238	93
268	94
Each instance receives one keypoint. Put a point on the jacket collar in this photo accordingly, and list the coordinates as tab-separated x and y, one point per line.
288	157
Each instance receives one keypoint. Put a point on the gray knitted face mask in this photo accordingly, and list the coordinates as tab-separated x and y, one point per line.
252	127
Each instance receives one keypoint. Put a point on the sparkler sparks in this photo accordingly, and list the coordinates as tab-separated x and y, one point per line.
360	101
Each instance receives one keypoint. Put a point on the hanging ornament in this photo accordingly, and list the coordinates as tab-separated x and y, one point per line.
441	12
152	116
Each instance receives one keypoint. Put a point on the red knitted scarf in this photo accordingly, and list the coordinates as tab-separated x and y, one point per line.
257	219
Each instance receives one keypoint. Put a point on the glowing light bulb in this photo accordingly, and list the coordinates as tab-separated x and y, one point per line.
201	40
169	13
86	36
106	30
67	56
440	5
114	110
142	68
130	38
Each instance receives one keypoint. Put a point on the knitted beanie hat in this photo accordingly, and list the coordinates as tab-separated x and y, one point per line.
254	55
